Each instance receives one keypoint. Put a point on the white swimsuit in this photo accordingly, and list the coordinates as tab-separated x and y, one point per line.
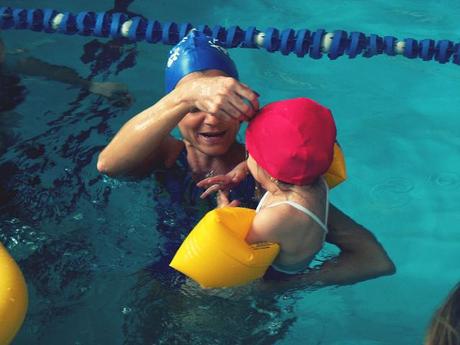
308	213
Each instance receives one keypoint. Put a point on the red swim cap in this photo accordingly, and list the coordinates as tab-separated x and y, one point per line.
293	140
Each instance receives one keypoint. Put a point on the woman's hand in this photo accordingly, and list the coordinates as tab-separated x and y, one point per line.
224	182
221	96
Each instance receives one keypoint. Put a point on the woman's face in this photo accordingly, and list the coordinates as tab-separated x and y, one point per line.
209	134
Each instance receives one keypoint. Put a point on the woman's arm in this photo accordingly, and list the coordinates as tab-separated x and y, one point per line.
361	256
21	63
144	141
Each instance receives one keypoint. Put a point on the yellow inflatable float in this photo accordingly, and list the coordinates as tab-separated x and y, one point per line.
13	297
215	253
336	173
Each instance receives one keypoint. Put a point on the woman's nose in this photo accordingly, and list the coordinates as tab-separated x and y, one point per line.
211	120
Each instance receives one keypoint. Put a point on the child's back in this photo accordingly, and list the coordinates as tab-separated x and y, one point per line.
295	220
290	145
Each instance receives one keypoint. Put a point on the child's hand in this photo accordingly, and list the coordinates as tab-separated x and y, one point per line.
223	201
216	184
223	182
117	93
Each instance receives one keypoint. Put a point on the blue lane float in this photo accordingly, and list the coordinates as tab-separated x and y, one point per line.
304	42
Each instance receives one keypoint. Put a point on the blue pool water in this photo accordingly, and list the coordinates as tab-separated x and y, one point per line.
83	240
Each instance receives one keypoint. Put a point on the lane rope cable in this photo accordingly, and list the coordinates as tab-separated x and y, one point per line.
303	42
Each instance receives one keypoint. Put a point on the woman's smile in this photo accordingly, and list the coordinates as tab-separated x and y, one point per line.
212	137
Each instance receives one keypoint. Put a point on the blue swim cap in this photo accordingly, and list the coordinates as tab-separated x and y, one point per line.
196	52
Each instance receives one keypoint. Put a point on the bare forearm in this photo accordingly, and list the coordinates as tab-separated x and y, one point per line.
35	67
345	269
361	256
139	140
349	268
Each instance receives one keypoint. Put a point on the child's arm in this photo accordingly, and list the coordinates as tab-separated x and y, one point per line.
266	227
223	200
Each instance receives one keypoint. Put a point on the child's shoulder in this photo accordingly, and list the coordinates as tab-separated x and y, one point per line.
281	218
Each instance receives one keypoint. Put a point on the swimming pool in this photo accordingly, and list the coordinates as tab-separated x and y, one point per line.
83	240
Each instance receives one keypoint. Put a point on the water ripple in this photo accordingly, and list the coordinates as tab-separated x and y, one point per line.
392	193
447	180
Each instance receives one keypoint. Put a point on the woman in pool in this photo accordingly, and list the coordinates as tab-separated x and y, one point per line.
207	102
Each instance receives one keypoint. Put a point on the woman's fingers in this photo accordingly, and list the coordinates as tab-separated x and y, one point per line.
245	110
245	92
234	112
225	97
219	107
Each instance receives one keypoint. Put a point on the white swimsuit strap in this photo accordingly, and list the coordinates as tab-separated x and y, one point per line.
302	209
261	202
326	212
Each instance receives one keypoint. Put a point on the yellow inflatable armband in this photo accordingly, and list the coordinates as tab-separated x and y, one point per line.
336	173
13	297
215	253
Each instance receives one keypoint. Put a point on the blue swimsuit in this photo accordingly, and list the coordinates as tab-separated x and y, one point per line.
178	207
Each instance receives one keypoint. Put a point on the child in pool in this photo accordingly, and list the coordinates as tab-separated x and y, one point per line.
290	145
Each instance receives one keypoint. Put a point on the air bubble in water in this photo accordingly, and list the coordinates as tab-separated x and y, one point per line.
126	310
